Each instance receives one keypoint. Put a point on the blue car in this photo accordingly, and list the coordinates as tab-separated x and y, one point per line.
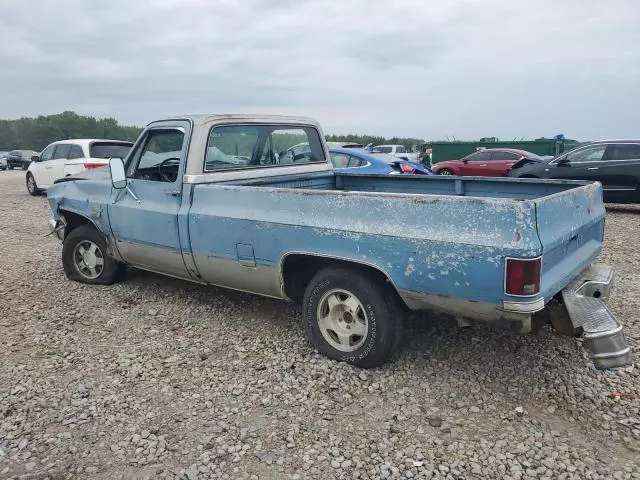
350	160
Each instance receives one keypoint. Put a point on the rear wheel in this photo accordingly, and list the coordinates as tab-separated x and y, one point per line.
32	187
352	316
25	165
445	171
84	258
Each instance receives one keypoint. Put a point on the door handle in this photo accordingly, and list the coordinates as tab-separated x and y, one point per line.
593	168
174	193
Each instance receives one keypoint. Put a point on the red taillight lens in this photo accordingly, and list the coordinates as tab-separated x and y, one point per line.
89	165
406	168
523	276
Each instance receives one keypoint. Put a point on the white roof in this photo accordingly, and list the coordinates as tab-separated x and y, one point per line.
86	142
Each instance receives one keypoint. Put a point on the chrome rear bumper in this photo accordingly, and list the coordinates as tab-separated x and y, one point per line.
584	301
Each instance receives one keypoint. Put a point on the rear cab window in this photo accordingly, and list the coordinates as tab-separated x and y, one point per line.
232	147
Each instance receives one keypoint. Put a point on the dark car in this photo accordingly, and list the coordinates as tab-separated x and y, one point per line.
20	159
614	163
490	162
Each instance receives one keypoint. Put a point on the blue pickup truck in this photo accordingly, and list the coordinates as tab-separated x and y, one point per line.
220	200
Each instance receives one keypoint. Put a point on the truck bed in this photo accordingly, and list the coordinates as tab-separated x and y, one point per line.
446	236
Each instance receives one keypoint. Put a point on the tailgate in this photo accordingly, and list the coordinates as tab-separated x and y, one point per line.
570	227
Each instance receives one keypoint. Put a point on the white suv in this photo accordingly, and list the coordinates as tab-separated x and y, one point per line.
397	151
70	157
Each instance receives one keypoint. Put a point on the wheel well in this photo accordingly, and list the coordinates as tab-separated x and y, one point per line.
73	221
299	269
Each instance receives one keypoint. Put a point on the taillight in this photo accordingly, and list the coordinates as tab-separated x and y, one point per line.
89	165
406	168
522	276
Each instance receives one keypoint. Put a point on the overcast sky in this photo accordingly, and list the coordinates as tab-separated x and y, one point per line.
463	68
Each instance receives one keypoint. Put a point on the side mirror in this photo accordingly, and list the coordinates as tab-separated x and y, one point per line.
35	158
563	162
118	174
466	160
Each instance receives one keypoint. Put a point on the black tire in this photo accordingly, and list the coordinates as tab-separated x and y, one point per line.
380	304
32	186
25	165
112	271
445	171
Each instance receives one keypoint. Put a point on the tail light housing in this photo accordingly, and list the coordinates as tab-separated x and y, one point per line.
91	165
522	276
406	168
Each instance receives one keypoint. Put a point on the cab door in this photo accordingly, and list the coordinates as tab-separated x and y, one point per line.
144	215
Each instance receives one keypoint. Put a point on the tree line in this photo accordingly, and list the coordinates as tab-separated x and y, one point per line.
37	132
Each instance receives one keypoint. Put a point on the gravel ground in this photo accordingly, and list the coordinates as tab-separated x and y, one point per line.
158	378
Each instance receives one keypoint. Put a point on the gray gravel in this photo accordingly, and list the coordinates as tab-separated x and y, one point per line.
158	378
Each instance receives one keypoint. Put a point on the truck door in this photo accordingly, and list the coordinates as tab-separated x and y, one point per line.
144	216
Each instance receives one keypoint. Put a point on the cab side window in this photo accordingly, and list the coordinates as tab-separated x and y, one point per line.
158	157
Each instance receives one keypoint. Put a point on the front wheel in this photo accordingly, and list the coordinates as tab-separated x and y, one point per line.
445	171
352	316
32	187
84	258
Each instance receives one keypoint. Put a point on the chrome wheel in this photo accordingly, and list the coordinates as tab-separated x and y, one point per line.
88	259
342	320
444	172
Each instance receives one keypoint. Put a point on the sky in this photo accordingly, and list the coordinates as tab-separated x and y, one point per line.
440	69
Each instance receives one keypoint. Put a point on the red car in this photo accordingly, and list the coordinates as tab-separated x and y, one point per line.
491	162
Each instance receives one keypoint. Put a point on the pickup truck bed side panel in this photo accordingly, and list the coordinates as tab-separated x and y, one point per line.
471	236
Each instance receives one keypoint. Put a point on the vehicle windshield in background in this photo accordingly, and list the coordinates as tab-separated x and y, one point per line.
109	150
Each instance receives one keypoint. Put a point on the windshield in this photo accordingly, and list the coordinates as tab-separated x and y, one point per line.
109	150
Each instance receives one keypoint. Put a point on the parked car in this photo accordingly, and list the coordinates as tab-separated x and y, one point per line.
614	163
3	161
355	250
19	159
68	157
396	150
358	161
490	162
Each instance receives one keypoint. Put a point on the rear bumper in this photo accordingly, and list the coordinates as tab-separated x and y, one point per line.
590	317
